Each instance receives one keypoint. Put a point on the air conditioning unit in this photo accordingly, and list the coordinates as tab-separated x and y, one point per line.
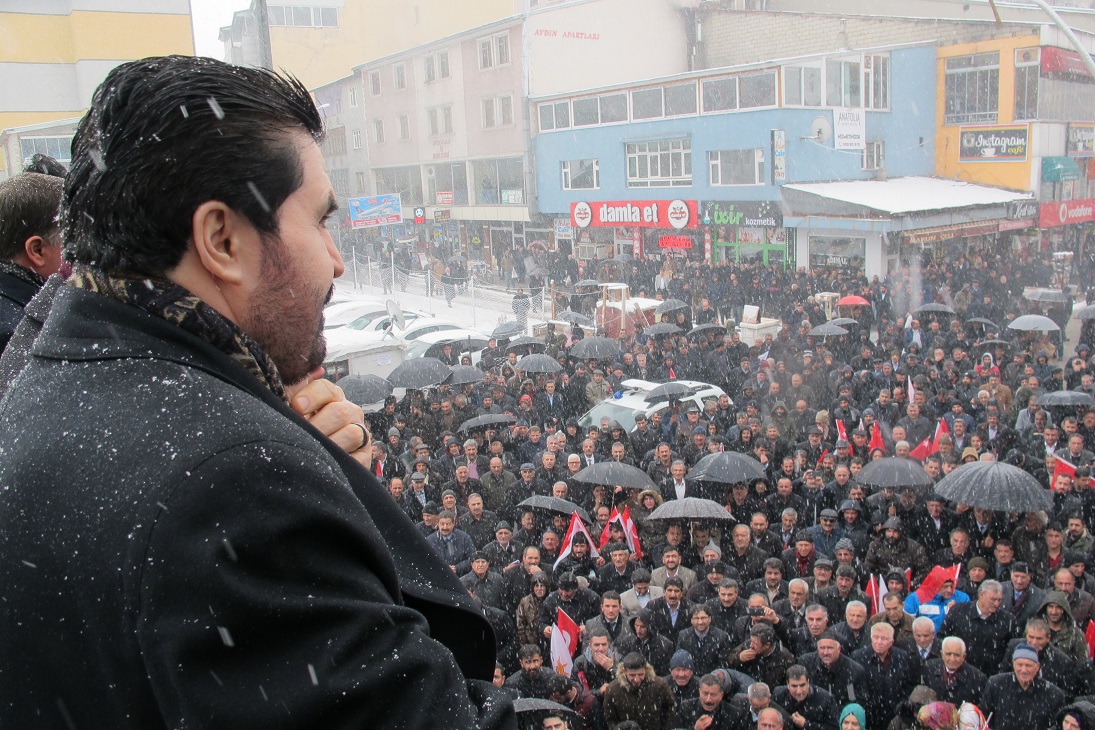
1028	56
430	171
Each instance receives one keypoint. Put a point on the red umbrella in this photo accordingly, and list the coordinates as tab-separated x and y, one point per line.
852	301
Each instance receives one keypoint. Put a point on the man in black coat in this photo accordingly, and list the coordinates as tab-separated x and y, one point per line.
953	678
1021	699
983	626
833	672
212	538
811	708
889	674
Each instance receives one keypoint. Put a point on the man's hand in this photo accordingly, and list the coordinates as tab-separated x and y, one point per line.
604	661
798	719
704	722
324	405
547	632
747	656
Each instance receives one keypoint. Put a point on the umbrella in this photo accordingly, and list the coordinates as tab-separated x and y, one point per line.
598	348
363	389
844	322
615	474
852	301
709	327
933	307
507	329
557	505
669	391
827	330
588	282
531	711
1085	312
670	305
662	328
489	420
984	346
1030	322
538	364
997	486
727	467
421	372
691	508
524	341
982	321
575	318
1047	295
464	374
893	472
1066	398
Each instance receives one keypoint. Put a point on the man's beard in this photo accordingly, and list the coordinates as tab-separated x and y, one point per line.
286	315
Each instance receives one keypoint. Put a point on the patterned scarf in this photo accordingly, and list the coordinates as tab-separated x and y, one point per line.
22	273
178	306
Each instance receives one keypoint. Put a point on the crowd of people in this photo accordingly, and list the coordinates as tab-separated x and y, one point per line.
764	617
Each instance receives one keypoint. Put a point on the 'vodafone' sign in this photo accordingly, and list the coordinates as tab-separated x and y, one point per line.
675	214
1067	211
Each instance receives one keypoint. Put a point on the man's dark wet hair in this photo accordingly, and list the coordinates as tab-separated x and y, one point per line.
164	135
28	208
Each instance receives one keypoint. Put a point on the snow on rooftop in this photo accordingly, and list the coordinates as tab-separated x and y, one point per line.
910	194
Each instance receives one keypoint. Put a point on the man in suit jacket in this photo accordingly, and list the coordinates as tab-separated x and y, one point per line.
672	568
1021	597
953	678
671	612
923	644
640	595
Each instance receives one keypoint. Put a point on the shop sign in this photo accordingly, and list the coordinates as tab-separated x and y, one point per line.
675	242
1065	212
1081	140
1016	225
998	143
641	213
849	129
378	210
442	214
707	253
1062	61
563	229
513	197
779	156
637	242
1022	209
958	230
444	198
755	214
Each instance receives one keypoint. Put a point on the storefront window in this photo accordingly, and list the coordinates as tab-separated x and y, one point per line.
838	252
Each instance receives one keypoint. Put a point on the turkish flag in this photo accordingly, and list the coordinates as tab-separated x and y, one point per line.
1061	467
936	578
576	526
564	643
876	438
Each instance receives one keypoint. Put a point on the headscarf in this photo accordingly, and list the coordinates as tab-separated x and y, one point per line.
938	716
858	711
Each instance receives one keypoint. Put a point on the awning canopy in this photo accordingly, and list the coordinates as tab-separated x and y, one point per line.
1059	169
901	196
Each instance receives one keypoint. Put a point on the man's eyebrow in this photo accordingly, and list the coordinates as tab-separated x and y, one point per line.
332	203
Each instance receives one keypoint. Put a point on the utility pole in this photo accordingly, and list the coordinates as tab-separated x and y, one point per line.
262	21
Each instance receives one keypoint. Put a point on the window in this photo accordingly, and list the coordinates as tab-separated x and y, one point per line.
505	110
497	112
586	112
581	174
407	181
301	16
404	126
489	121
334	142
972	88
356	137
876	82
440	119
57	147
662	163
720	95
360	179
645	104
1027	73
843	82
680	99
378	130
374	86
555	115
757	90
499	182
494	51
443	65
429	71
736	167
400	73
326	17
874	156
802	86
600	110
448	178
353	94
340	181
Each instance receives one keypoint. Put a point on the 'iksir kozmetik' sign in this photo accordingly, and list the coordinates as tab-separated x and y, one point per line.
638	213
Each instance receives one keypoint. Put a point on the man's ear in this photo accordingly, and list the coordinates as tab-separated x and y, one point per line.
218	233
34	249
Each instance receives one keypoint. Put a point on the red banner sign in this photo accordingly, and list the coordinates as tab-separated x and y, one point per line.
675	242
1065	212
641	213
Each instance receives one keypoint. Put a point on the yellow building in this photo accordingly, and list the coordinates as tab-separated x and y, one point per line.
320	41
53	53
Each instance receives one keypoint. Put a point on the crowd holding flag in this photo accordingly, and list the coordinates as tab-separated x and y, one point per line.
576	527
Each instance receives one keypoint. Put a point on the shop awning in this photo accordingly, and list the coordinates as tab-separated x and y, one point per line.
945	233
1059	169
896	197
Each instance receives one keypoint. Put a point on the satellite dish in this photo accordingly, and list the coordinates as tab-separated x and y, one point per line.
396	314
821	130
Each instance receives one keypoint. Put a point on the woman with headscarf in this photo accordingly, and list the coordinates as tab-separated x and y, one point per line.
853	717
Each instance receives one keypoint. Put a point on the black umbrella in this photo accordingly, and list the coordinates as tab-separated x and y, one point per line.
525	343
997	486
662	328
727	467
575	318
615	474
691	508
464	374
670	305
1085	312
983	321
893	472
421	372
668	391
933	307
827	330
538	364
507	329
1061	398
365	389
991	344
844	322
1030	322
1047	295
709	327
488	420
531	711
587	282
556	505
597	348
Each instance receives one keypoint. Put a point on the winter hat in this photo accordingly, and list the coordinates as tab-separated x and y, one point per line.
714	548
1025	651
845	544
858	711
681	659
978	563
